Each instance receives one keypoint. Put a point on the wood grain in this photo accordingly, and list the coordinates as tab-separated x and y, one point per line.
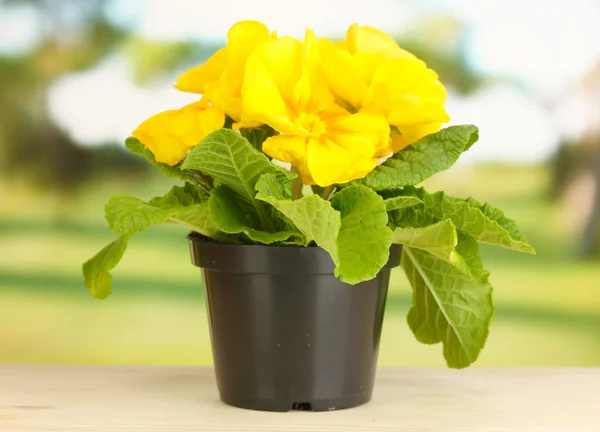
182	399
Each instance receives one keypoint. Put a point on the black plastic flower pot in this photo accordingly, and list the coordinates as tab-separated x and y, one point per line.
286	333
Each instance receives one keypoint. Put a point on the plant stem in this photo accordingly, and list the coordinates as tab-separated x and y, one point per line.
327	192
296	185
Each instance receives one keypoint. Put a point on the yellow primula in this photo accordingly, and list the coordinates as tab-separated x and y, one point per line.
370	72
285	88
169	135
220	79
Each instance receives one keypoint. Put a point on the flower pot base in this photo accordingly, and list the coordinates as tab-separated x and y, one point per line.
283	405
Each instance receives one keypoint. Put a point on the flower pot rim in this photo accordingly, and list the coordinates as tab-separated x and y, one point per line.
268	259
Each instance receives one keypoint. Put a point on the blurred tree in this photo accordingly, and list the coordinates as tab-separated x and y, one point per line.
76	35
590	241
574	161
151	58
443	51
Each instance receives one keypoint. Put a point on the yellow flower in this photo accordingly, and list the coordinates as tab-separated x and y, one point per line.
169	135
285	88
220	79
370	72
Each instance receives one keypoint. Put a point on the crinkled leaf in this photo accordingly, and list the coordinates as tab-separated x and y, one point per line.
364	240
448	306
234	216
439	239
314	217
412	217
178	196
96	271
197	218
470	219
401	202
280	188
272	185
352	228
497	215
468	249
432	154
128	215
230	159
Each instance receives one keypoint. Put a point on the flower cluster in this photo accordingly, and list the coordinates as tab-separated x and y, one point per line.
335	108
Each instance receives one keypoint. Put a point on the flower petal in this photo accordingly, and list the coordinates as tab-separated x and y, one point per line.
291	149
339	158
171	134
411	134
312	91
415	99
243	38
344	77
194	80
272	72
326	160
371	40
371	124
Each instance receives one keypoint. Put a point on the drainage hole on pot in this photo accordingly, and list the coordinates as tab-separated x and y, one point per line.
301	406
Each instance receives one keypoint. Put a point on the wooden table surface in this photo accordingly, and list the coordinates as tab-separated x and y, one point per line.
181	399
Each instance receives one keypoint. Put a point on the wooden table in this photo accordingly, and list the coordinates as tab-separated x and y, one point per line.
181	399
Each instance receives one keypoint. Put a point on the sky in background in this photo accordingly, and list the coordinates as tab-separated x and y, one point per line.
546	46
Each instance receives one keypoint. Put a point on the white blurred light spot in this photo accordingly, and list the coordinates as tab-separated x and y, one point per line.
104	105
20	29
549	44
573	116
512	127
182	19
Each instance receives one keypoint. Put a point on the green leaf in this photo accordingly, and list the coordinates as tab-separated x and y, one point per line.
178	196
256	136
411	217
468	249
234	216
197	218
352	227
448	306
497	215
364	240
230	159
273	186
472	221
419	161
128	215
401	202
96	271
314	217
134	146
467	218
439	239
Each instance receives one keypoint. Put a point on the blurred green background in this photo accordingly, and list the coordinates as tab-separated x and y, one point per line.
76	77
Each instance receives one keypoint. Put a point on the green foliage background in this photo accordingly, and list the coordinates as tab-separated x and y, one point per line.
547	306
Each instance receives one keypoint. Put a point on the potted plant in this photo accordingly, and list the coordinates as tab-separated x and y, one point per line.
296	261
